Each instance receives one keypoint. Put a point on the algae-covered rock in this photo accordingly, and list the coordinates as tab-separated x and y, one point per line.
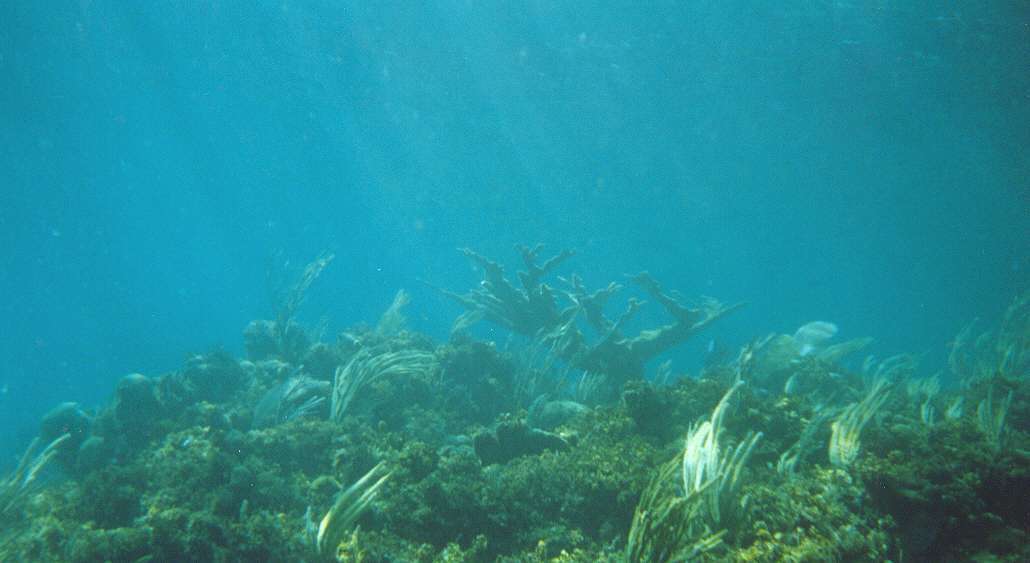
93	454
137	408
264	340
511	439
548	415
294	399
66	418
213	377
118	544
320	361
948	490
477	381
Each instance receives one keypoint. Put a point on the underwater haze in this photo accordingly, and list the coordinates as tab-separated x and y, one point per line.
166	167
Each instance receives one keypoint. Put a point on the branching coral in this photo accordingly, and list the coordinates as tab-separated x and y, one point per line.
16	486
789	459
990	419
283	338
665	524
294	297
392	321
1004	352
845	442
527	310
710	470
368	365
532	310
896	368
349	505
671	526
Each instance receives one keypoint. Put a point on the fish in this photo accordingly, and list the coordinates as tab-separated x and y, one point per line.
811	337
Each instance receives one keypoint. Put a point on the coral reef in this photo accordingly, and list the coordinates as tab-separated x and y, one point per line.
385	446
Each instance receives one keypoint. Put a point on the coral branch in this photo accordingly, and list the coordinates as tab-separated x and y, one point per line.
526	311
650	343
532	311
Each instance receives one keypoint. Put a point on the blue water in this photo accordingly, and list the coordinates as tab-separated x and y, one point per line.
864	163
